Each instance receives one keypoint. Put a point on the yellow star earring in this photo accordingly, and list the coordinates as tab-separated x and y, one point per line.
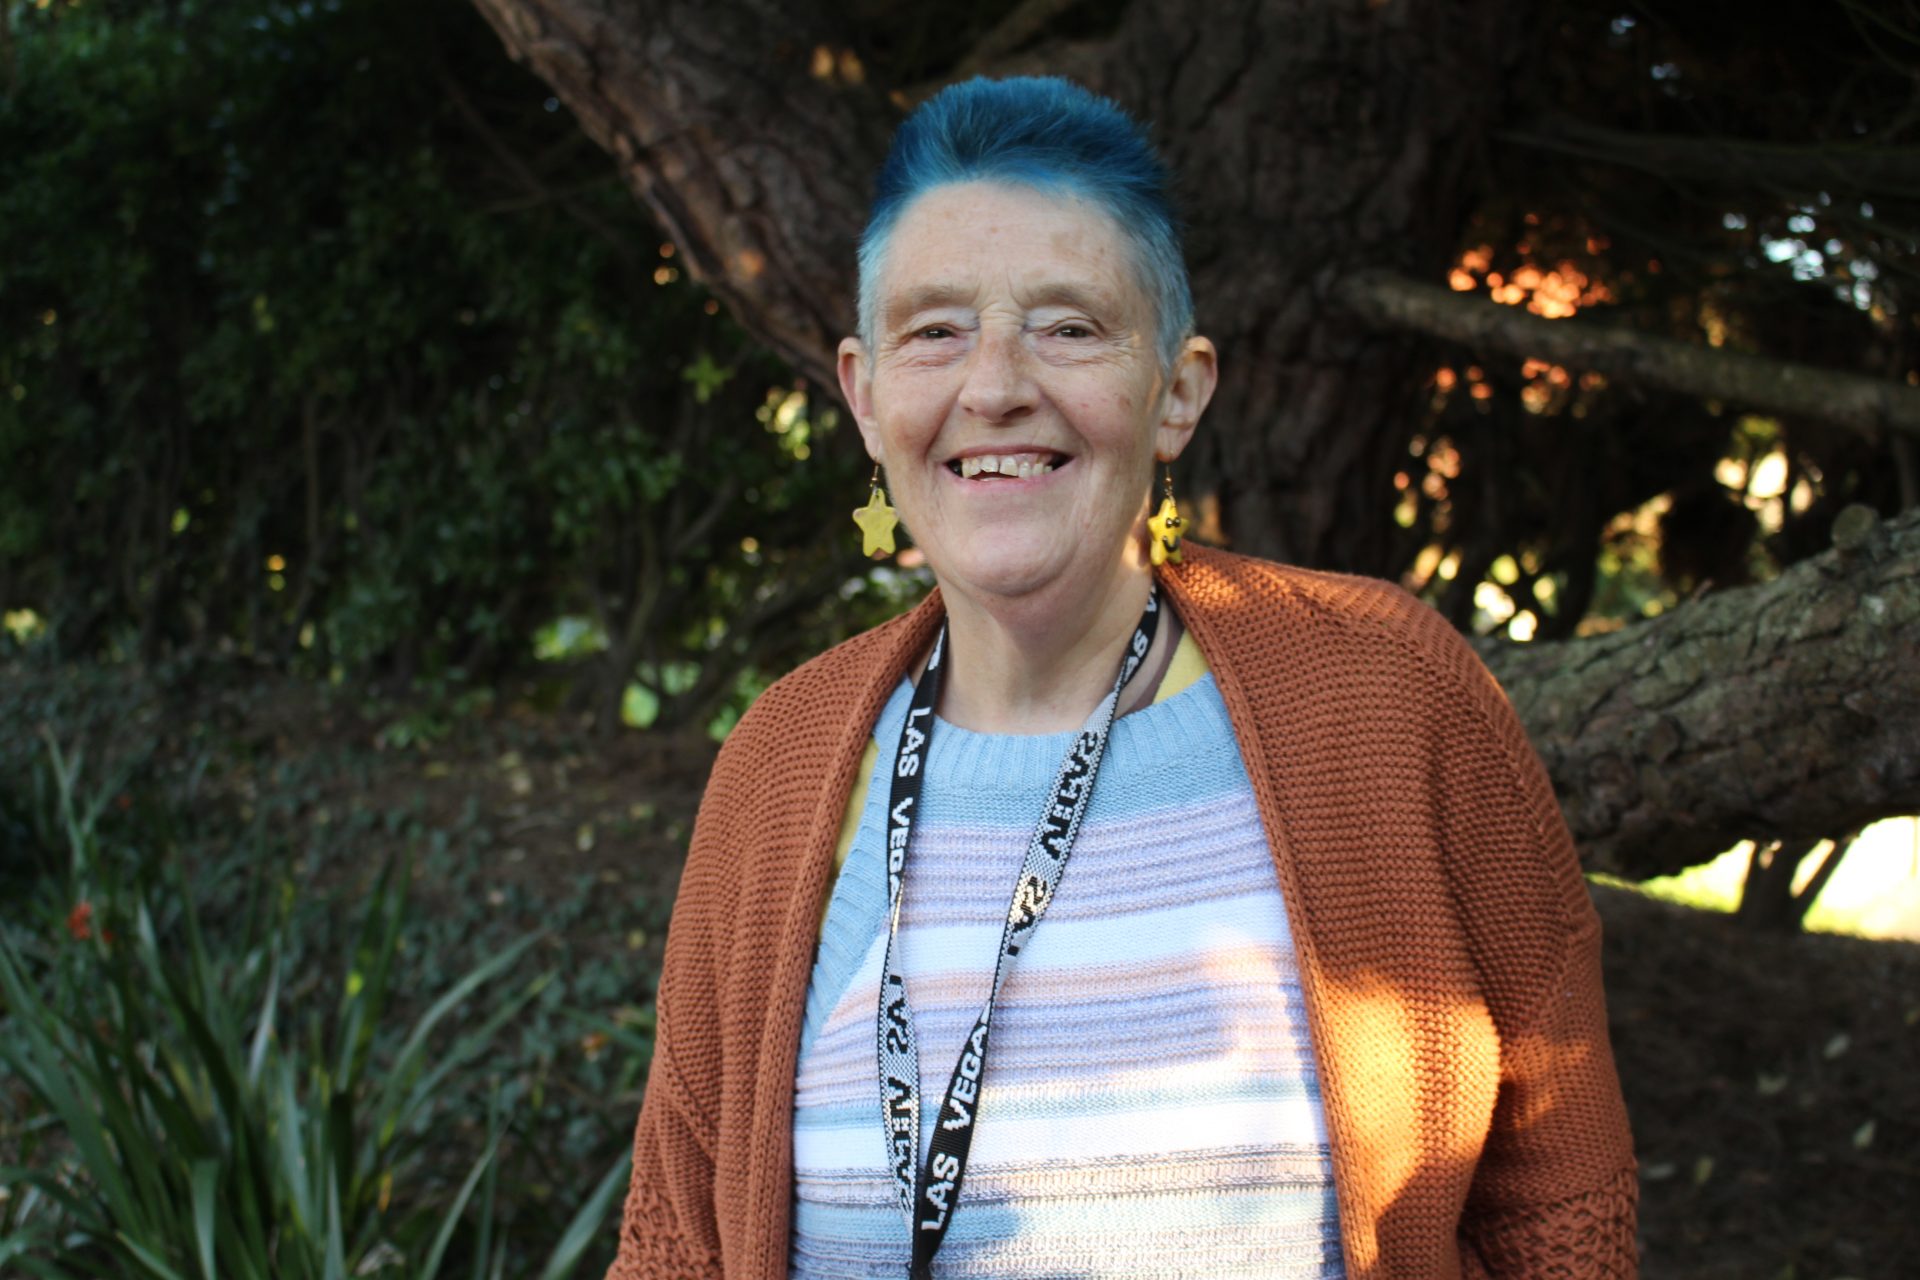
876	520
1163	529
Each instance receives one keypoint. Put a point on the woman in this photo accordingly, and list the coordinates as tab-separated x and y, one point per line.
1212	918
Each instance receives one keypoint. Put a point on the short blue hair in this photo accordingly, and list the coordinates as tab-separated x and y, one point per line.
1049	134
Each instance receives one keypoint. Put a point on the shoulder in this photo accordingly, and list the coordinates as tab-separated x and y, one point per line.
782	776
807	713
1345	625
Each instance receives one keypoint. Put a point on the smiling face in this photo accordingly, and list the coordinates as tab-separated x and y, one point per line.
1013	391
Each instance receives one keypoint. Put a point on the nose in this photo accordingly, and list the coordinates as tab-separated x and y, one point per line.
999	386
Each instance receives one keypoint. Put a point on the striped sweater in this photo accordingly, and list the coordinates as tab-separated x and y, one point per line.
1448	953
1151	1105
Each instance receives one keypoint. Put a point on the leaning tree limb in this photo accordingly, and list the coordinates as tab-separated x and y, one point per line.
1784	711
1853	400
750	149
1739	163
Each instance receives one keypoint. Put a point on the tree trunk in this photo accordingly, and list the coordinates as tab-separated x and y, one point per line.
1313	142
754	166
1768	902
1786	711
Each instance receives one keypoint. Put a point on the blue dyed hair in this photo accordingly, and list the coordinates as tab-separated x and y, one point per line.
1048	134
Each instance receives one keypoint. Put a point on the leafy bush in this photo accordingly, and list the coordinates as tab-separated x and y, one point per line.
338	346
185	1120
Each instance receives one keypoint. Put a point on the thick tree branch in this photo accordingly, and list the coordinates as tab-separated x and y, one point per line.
1027	20
1777	712
1391	301
1735	162
755	166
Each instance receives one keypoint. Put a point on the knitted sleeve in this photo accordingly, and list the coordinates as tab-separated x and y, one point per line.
669	1229
1554	1192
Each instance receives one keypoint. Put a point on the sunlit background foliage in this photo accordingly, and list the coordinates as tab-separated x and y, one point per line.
340	347
335	345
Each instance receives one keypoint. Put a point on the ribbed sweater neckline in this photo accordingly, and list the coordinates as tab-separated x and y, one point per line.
1019	758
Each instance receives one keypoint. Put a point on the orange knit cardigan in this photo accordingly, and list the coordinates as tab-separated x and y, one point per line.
1448	950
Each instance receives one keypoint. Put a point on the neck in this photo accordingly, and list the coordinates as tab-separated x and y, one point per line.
1041	664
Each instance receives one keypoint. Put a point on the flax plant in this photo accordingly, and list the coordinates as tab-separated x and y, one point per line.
182	1128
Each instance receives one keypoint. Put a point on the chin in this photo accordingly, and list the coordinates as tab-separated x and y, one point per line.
1008	571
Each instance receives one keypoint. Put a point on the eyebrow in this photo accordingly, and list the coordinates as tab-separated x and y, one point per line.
1050	293
1062	293
923	298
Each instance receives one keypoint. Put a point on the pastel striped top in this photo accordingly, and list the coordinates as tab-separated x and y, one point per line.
1150	1106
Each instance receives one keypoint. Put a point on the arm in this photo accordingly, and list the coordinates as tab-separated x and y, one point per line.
669	1229
1555	1192
1555	1189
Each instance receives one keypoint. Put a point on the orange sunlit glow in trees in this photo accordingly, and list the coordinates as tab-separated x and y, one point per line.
1546	386
1554	291
837	66
1552	266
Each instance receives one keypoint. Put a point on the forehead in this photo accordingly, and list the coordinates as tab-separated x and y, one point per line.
980	238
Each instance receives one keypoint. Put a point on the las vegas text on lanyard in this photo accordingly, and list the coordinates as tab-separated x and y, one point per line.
928	1196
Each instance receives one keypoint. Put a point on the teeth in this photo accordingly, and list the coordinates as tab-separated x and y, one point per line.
1018	465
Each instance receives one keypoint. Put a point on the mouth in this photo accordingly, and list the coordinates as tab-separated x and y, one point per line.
1020	464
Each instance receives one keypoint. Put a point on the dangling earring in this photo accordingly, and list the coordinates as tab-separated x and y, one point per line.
876	520
1163	530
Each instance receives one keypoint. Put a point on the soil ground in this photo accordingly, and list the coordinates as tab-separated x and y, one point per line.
1770	1080
1771	1086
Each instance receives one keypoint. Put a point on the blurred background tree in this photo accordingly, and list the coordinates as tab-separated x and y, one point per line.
328	340
1581	312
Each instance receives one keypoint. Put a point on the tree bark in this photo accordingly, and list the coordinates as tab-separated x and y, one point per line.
1850	400
1313	142
752	164
1768	902
1788	711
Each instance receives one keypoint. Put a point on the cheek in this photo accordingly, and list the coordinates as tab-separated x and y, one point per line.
910	416
1115	423
1109	411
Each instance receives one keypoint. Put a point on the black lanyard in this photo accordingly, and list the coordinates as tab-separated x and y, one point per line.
929	1196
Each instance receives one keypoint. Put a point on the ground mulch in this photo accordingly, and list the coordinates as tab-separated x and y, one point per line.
1771	1086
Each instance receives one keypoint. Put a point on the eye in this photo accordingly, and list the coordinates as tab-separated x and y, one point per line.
1073	329
935	332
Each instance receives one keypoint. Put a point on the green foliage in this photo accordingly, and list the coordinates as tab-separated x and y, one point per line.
340	347
186	1120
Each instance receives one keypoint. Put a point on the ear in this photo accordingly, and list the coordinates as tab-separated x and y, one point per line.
856	385
1195	373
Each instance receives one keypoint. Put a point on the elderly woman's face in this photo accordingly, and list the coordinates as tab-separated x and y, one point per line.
1014	395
